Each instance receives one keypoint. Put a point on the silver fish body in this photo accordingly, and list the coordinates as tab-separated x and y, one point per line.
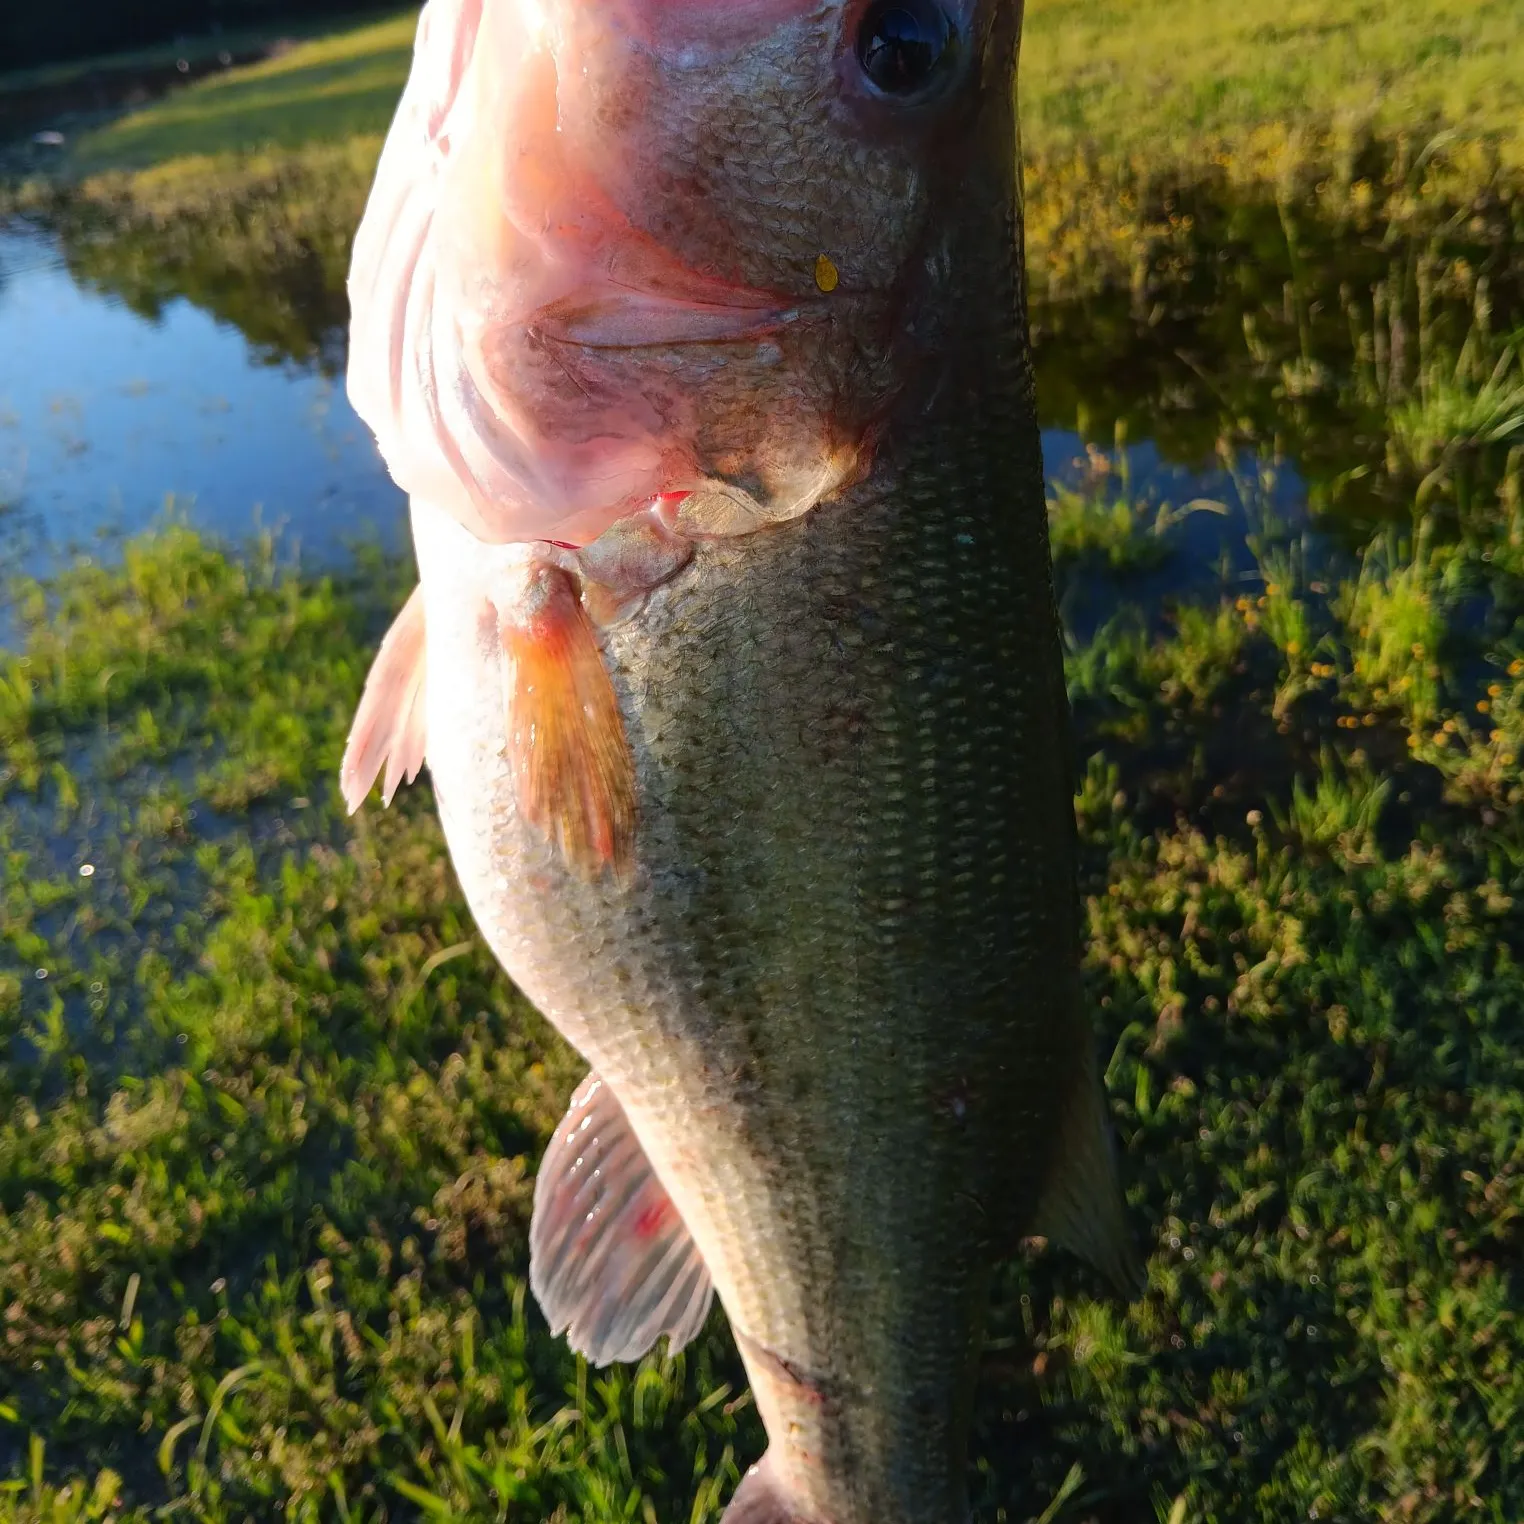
839	998
832	997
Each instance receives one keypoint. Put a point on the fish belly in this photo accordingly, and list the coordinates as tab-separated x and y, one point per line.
837	996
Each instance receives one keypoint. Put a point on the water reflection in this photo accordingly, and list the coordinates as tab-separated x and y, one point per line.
1301	333
105	412
122	384
201	357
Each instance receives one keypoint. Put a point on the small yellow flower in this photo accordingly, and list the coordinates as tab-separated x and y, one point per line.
1449	727
1516	667
1495	736
1482	706
1494	690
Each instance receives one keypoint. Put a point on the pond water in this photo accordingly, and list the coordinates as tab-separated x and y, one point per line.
108	415
141	368
118	406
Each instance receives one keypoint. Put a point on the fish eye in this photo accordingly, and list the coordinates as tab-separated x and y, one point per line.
902	43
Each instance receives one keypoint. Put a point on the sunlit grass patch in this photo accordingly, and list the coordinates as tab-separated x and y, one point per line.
1394	626
1282	612
334	87
1462	408
1338	810
1166	78
1134	680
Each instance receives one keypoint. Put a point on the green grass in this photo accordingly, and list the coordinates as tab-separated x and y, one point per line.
196	50
269	1120
269	1117
1157	79
332	88
1142	78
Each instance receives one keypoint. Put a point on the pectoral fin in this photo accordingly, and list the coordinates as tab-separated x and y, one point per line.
572	768
389	724
610	1260
1081	1206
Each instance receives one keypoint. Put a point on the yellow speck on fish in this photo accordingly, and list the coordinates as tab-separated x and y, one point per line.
827	275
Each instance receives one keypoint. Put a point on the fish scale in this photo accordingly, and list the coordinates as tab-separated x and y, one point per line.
839	1003
829	988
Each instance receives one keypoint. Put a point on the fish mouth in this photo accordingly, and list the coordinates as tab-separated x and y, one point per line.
622	318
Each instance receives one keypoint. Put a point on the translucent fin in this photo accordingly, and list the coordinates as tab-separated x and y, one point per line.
610	1260
389	724
566	743
1081	1206
393	236
760	1500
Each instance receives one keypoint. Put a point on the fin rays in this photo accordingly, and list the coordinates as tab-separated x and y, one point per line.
389	724
572	767
610	1259
1081	1206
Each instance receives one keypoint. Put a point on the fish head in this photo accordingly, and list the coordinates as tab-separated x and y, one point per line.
665	247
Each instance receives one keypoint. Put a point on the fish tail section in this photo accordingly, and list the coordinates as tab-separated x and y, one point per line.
573	773
761	1499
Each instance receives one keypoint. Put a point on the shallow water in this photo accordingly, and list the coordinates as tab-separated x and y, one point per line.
108	415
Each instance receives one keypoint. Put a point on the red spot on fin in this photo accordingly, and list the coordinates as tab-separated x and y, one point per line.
610	1259
654	1218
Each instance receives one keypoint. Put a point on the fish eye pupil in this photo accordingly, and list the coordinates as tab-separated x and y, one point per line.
901	42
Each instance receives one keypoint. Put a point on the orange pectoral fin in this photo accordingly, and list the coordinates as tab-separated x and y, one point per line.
571	763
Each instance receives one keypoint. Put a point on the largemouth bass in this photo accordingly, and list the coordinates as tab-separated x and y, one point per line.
696	332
